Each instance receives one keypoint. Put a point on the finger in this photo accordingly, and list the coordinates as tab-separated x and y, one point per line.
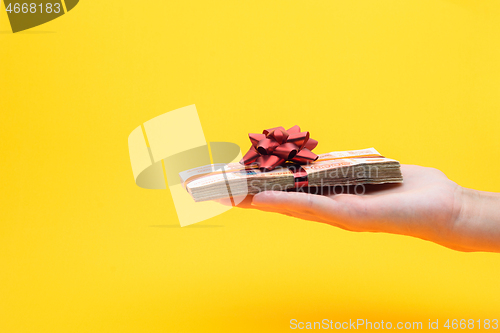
245	202
237	201
314	218
302	216
291	209
310	204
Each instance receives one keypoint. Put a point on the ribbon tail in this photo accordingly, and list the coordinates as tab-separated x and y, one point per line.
250	157
300	176
305	156
269	162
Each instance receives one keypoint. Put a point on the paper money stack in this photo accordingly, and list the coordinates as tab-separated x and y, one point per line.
357	167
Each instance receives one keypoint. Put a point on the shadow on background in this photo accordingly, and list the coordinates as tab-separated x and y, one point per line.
27	32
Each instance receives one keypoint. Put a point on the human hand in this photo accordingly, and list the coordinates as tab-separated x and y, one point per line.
427	205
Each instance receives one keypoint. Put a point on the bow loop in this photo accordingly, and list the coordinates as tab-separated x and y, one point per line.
267	131
266	146
311	144
300	139
255	138
286	151
275	146
280	135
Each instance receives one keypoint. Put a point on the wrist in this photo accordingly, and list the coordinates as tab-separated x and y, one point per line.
465	201
476	227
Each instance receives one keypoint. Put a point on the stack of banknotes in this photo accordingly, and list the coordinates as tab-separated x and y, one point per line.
341	168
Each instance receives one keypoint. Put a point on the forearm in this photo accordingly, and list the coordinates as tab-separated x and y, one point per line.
478	224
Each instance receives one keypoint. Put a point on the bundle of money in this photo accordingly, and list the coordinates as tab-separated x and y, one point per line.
341	168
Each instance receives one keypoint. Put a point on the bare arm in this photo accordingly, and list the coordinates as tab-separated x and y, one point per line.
478	224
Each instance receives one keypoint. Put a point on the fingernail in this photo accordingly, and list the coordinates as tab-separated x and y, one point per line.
257	201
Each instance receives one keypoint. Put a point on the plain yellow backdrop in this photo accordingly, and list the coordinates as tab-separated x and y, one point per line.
83	249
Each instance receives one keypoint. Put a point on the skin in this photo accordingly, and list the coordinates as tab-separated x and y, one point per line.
427	205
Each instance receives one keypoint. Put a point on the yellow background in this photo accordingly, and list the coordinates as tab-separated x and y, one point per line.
83	249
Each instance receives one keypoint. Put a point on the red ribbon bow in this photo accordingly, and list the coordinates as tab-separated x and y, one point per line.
275	146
